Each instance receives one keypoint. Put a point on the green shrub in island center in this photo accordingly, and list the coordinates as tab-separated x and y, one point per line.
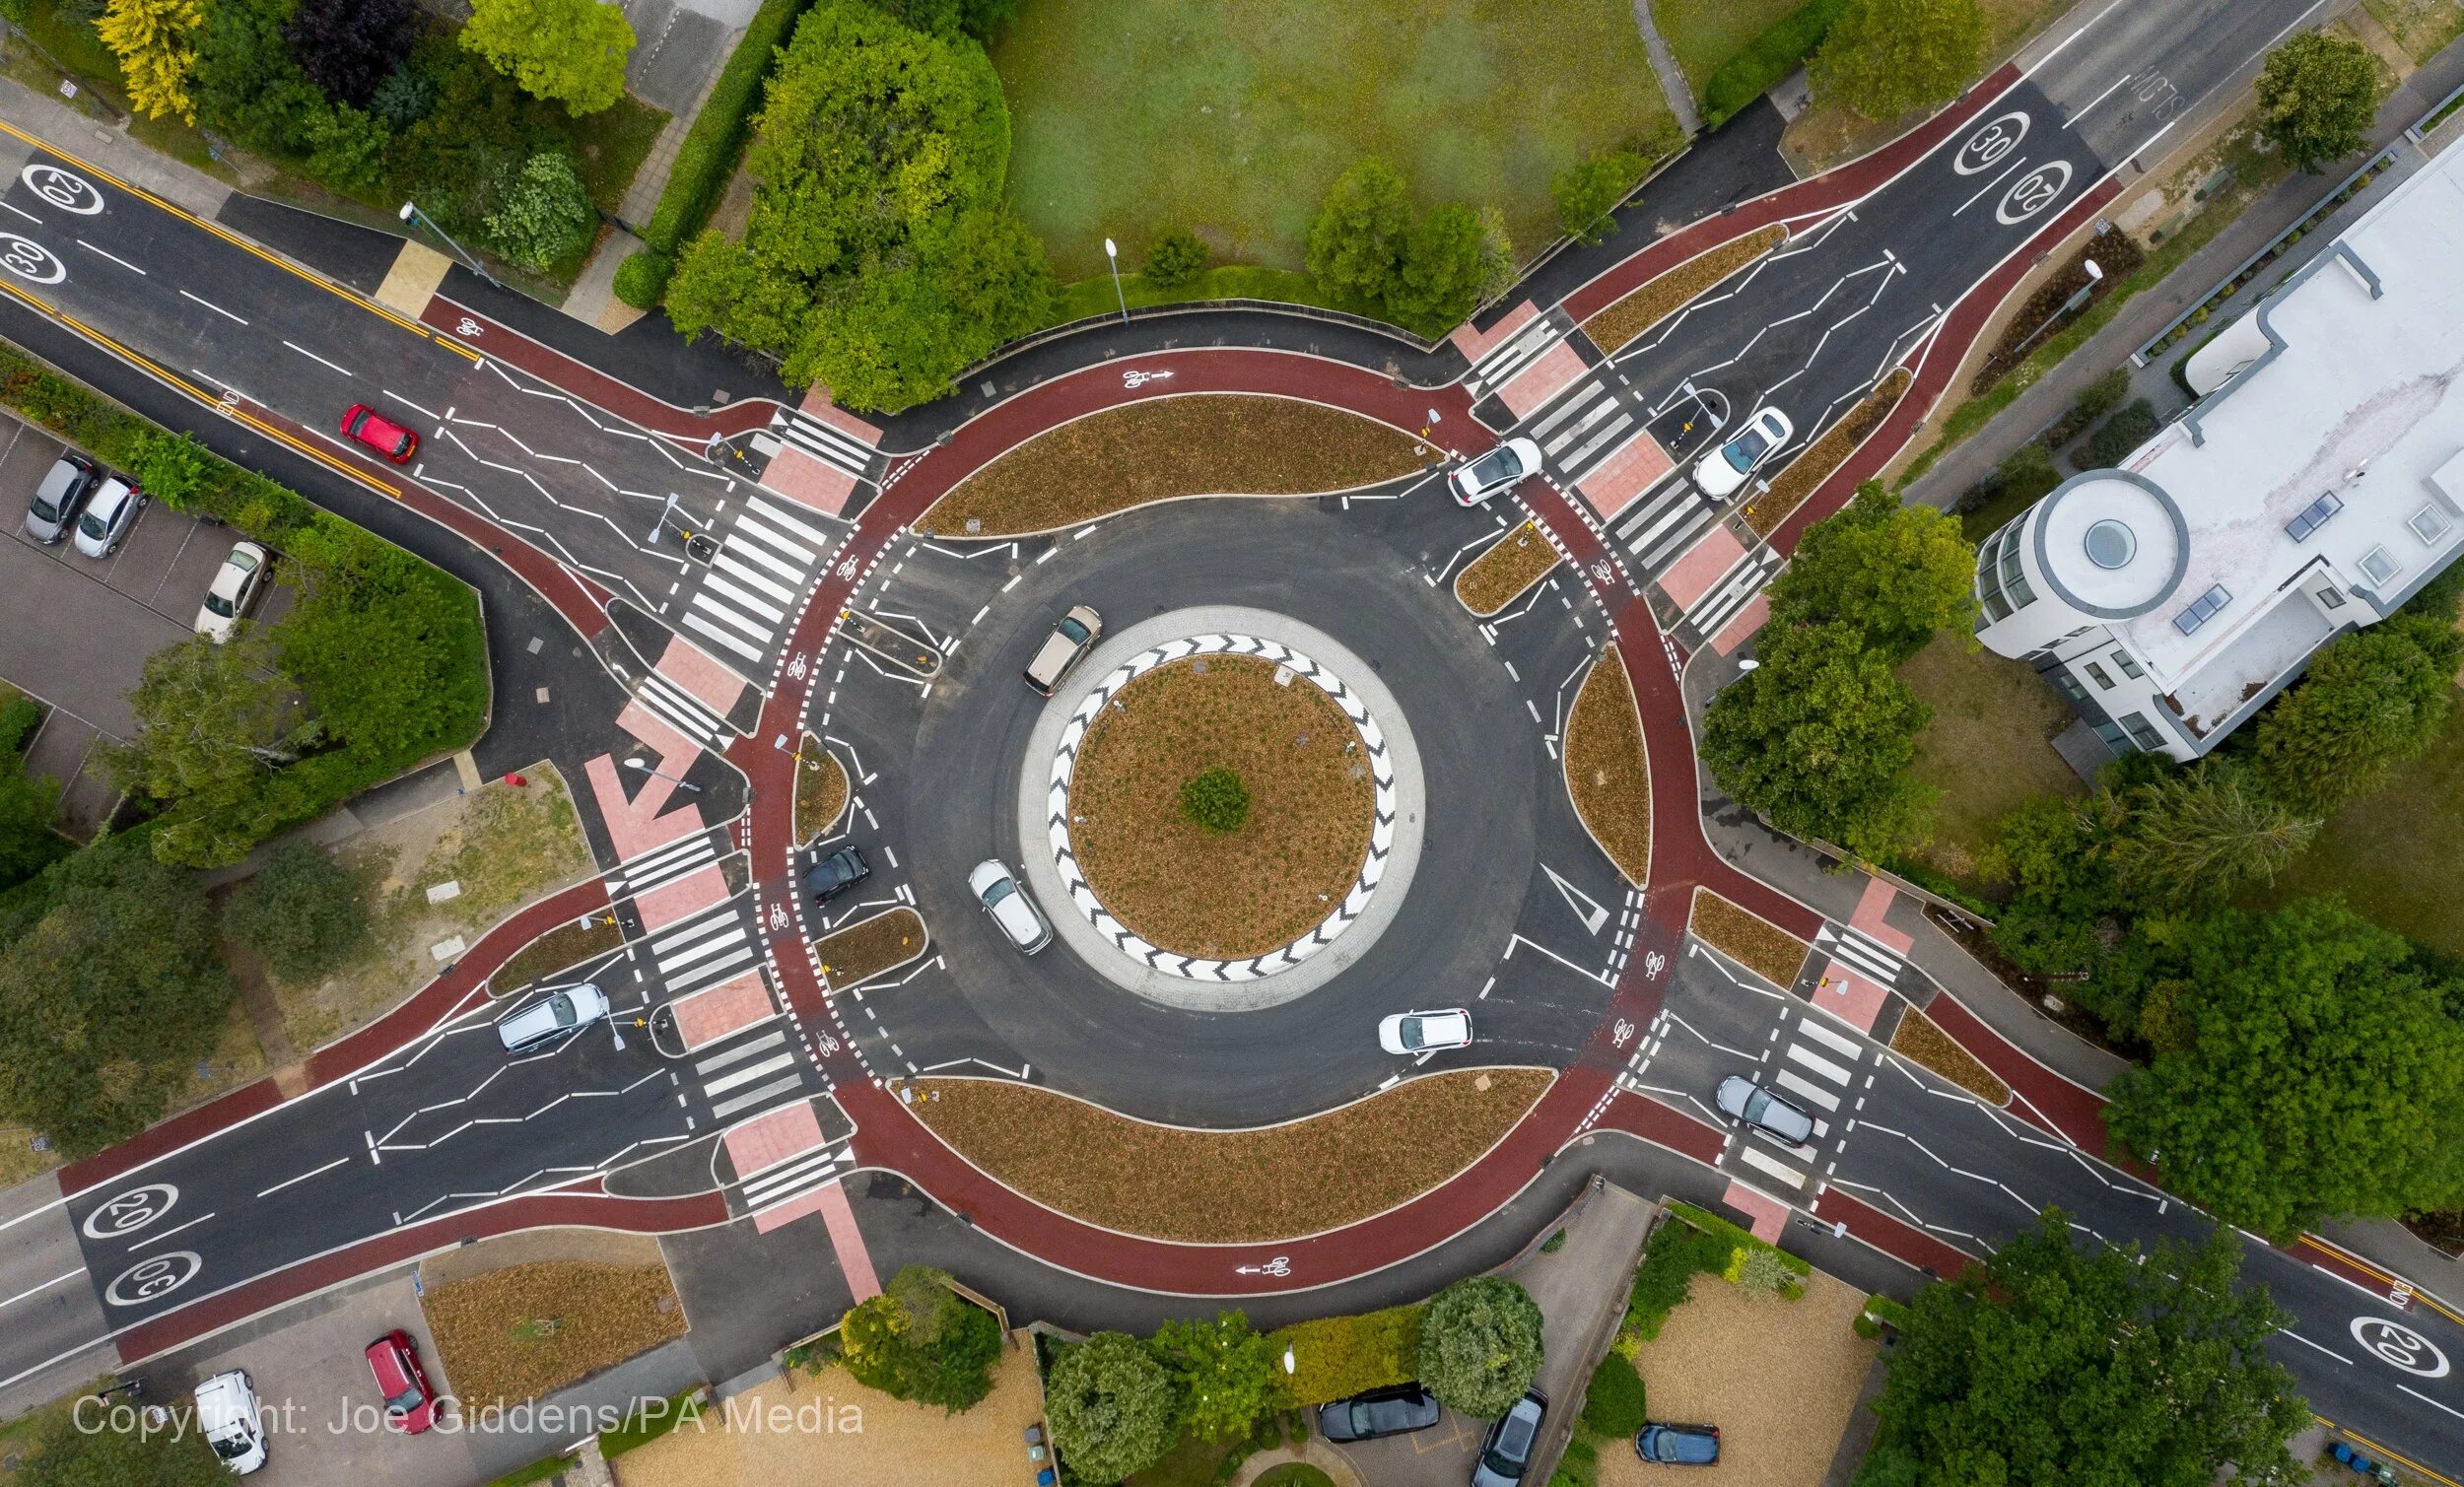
1216	801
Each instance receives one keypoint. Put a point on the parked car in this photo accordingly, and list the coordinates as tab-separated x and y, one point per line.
835	874
394	1361
58	499
227	1416
238	584
1010	906
1071	638
1725	468
109	513
365	425
551	1018
1394	1411
1677	1445
1494	471
1507	1449
1426	1032
1763	1109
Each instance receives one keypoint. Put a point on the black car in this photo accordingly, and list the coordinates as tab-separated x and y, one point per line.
1678	1445
1395	1411
835	874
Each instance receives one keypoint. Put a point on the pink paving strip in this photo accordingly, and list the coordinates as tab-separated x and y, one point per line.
662	740
1770	1216
817	405
1474	345
1624	475
715	1012
1545	378
672	903
807	481
1867	920
1749	620
1849	997
635	825
765	1141
692	668
779	1215
849	1241
1691	577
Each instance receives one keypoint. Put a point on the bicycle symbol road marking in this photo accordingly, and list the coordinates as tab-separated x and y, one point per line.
2399	1346
1279	1266
127	1212
65	190
1136	378
1988	145
470	328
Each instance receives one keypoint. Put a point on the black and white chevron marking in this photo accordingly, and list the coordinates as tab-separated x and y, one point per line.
1381	833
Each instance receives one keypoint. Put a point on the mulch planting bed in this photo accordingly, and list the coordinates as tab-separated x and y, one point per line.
1202	444
871	947
517	1333
1498	577
1792	486
1748	938
1238	893
1919	1038
1607	771
820	788
564	946
1630	316
1204	1187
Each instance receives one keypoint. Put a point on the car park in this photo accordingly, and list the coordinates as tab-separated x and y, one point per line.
1499	468
364	424
1678	1445
1071	638
1763	1111
1011	909
228	1417
551	1019
393	1361
835	873
1397	1410
1725	468
238	584
1426	1032
109	513
60	496
1505	1451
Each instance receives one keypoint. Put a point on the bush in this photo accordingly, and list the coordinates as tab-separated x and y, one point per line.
1886	57
2094	402
643	276
1766	59
1176	258
706	156
920	1341
173	468
1112	1408
1480	1345
1337	1357
1588	190
1614	1405
2124	432
546	215
2027	471
1215	802
304	911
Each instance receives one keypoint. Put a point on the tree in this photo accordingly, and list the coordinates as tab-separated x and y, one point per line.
2318	95
977	17
1226	1375
214	722
1588	190
1113	1405
27	803
1480	1345
1822	738
566	52
154	41
1886	57
65	1455
375	641
2322	1077
545	212
2048	1363
304	911
1357	242
920	1341
1175	258
2372	699
349	47
1445	269
2197	834
1898	572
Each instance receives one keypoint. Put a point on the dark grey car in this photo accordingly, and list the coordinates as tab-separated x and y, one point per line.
835	874
1394	1411
60	496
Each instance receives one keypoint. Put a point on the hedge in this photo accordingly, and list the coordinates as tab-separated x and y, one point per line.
643	276
2124	432
1337	1357
1767	58
711	148
641	1424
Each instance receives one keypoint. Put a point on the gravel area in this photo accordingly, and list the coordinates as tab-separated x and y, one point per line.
1229	894
1644	308
516	1333
1200	444
1921	1040
1498	577
870	947
1792	486
1607	772
1748	938
564	946
1204	1187
820	788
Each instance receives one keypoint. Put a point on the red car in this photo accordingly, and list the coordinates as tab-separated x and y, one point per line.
380	434
403	1383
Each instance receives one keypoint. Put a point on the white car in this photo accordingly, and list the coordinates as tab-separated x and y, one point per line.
1725	468
228	1418
1426	1032
1010	906
1494	471
108	516
551	1018
238	583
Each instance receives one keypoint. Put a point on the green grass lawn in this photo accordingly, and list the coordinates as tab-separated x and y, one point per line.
1707	32
2421	27
2393	853
1132	117
1989	747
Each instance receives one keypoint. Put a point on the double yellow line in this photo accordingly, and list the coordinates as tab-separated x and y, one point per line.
2397	1457
2354	1261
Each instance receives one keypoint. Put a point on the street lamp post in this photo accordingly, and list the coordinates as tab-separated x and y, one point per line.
412	215
637	763
1113	255
2095	276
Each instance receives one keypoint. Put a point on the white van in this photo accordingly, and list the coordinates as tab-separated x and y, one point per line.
227	1416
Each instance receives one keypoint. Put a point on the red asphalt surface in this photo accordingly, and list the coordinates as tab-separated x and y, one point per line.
591	385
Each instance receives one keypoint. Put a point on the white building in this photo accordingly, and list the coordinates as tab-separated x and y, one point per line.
2315	486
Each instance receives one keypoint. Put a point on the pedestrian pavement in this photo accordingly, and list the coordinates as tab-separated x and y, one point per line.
1672	83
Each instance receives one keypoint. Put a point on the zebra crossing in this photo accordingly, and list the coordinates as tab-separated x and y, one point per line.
767	556
707	949
1504	362
1817	1070
752	1071
1861	953
830	445
1733	591
663	865
1591	422
1654	532
683	711
797	1176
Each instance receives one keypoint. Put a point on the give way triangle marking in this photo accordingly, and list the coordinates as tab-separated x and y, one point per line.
1585	907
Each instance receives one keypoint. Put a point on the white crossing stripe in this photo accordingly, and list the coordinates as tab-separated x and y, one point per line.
740	1050
1581	396
765	559
1510	357
1755	1157
793	1083
824	442
1862	952
750	1072
665	864
686	713
1735	589
1816	1063
1812	1028
1788	1079
793	1178
791	521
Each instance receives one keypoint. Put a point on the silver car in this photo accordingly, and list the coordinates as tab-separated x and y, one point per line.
236	586
1742	1098
1009	907
109	515
556	1016
59	498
